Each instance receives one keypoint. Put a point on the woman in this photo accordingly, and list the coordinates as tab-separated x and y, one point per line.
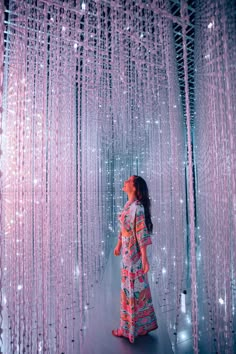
137	315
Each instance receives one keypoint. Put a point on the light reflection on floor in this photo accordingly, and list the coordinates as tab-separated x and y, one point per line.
87	329
175	327
105	316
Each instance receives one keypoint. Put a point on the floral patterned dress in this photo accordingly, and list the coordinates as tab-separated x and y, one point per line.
137	315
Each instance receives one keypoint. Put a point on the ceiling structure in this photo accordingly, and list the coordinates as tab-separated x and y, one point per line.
175	11
175	6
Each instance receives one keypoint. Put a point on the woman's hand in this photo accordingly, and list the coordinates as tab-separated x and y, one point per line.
144	259
145	265
117	250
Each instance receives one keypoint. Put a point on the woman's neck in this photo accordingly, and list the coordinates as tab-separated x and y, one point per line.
131	197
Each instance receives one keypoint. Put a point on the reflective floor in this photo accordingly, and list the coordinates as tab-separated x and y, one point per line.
174	334
105	316
84	327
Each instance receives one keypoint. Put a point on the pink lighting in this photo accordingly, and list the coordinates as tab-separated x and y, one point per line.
92	92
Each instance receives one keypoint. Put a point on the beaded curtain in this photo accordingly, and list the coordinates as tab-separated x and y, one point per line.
90	96
214	151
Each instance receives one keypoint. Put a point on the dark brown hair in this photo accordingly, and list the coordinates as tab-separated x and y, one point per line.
142	195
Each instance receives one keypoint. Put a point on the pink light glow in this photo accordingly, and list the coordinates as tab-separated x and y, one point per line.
90	96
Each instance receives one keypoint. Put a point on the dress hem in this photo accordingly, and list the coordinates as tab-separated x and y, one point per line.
131	337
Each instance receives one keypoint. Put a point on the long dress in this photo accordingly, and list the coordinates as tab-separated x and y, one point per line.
137	315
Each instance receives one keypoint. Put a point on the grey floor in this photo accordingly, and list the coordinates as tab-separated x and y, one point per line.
175	332
104	316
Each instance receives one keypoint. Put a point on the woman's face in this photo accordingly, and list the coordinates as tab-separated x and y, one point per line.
129	185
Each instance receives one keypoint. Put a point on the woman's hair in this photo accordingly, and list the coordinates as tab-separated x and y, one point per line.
143	196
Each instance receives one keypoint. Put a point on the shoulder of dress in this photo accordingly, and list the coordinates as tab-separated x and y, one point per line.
139	205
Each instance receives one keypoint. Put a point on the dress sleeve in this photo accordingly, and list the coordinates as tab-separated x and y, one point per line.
141	231
119	236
